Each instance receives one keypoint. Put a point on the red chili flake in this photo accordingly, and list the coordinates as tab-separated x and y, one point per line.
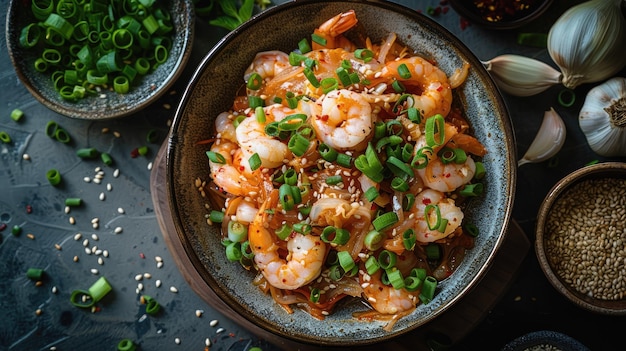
445	9
134	153
426	201
142	255
443	2
232	335
3	226
29	209
464	23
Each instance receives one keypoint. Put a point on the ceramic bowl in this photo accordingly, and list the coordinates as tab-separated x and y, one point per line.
106	103
212	90
470	10
557	263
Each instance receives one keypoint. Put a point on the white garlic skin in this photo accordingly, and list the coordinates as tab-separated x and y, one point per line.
520	75
602	118
548	141
587	42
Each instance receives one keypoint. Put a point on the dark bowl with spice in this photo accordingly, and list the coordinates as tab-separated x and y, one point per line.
500	14
581	237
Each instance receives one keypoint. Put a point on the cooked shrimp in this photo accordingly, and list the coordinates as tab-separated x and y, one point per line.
386	299
447	177
332	31
432	83
447	210
227	175
267	64
252	138
224	127
343	120
302	265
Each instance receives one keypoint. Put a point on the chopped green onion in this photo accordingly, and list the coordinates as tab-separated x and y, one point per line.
246	250
422	157
298	144
408	239
435	128
255	101
403	71
334	235
283	232
286	197
471	229
216	157
35	273
106	158
343	76
54	177
318	39
472	190
369	164
73	201
336	272
304	46
237	231
408	201
328	153
315	295
344	160
334	179
428	289
17	115
398	87
371	194
254	161
440	223
126	345
345	260
216	216
233	251
371	265
5	137
364	54
384	221
480	170
387	259
292	122
395	278
567	97
412	283
399	168
310	76
329	84
302	228
373	240
152	306
16	230
255	81
399	184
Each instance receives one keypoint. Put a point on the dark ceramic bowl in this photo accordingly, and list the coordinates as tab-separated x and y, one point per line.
543	249
105	104
545	340
470	11
280	28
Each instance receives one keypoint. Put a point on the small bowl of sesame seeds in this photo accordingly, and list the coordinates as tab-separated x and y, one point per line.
581	237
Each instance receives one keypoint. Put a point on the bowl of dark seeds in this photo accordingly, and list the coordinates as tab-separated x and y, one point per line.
581	237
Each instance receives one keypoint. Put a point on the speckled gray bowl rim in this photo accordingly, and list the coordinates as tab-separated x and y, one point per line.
479	96
113	105
599	170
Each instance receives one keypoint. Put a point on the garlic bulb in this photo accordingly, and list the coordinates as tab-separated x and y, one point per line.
548	141
603	118
587	42
520	75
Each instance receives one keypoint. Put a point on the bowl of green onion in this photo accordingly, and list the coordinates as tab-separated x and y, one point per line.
99	59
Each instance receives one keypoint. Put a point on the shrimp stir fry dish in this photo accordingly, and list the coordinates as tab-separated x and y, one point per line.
341	172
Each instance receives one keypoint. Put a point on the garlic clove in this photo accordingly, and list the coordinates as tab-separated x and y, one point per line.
602	118
522	76
548	141
587	42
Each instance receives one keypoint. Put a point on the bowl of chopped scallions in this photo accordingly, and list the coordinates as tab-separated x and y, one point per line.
99	59
581	237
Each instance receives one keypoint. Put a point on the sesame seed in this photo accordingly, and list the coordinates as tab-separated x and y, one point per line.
120	210
102	197
26	157
173	289
109	187
118	230
72	220
95	237
158	283
105	253
94	271
116	173
213	322
177	341
87	180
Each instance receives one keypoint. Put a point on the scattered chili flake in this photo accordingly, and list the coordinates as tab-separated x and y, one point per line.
504	10
142	255
134	153
29	209
3	226
464	23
